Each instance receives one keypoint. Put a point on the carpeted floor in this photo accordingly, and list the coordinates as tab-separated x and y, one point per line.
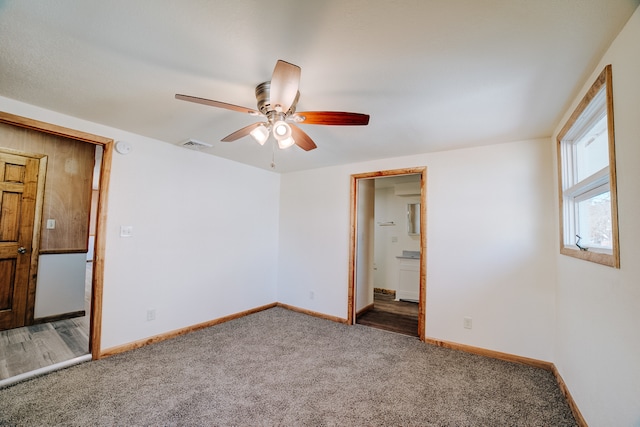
278	367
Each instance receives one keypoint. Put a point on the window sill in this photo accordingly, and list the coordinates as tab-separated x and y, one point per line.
593	255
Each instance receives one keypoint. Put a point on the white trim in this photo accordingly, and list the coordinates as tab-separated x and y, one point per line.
44	370
596	180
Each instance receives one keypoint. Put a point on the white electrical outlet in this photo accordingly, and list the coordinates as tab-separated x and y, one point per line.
126	231
51	224
151	314
466	322
312	295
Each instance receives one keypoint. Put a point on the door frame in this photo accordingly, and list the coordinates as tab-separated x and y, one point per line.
355	178
95	324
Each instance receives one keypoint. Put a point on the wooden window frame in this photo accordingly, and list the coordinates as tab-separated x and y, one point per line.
609	258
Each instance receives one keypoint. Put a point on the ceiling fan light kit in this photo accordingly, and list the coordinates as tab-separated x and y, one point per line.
286	143
281	131
277	100
260	134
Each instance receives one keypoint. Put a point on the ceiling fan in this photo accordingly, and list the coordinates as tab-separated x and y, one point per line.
277	100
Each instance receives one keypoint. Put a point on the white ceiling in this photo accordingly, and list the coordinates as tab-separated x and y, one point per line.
433	75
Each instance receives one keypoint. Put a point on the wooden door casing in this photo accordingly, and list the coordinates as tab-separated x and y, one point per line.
21	178
101	223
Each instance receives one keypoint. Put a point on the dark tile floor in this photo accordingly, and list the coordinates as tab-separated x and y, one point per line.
391	315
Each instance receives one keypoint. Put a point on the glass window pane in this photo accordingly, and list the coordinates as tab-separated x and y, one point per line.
592	150
594	221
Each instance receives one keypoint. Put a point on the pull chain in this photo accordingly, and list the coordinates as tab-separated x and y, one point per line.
273	155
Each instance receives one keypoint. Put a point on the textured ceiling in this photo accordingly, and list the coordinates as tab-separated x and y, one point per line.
433	75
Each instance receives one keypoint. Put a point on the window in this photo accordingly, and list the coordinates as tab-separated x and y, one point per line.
586	168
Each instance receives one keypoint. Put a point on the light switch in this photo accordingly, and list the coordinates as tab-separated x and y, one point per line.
126	231
51	224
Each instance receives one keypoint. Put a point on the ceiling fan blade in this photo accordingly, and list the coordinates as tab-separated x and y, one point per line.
284	85
301	139
332	118
241	132
218	104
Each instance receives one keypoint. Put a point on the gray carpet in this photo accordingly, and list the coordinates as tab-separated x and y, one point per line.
278	367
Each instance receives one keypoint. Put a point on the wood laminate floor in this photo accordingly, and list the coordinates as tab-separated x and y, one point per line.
33	347
391	315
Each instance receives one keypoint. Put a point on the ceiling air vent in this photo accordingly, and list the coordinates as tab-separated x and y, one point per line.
194	144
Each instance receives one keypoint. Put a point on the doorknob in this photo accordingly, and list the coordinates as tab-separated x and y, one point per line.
22	250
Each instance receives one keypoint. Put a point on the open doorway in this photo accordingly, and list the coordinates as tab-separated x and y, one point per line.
67	257
387	286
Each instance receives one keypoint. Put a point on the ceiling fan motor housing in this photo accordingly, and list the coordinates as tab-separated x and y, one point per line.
263	96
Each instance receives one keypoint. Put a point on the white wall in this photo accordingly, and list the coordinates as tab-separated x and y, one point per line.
61	283
598	338
490	243
205	234
314	240
390	241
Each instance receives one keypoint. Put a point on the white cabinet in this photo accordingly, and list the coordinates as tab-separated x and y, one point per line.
408	279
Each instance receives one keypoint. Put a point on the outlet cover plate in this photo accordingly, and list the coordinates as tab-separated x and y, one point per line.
467	322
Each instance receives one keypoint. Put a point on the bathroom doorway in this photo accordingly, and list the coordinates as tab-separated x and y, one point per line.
387	283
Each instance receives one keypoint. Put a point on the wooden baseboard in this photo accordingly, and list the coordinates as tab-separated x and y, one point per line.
172	334
572	404
63	251
522	360
57	317
440	343
176	333
364	310
491	353
312	313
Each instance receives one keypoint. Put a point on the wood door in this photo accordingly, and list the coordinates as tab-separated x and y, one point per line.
19	193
